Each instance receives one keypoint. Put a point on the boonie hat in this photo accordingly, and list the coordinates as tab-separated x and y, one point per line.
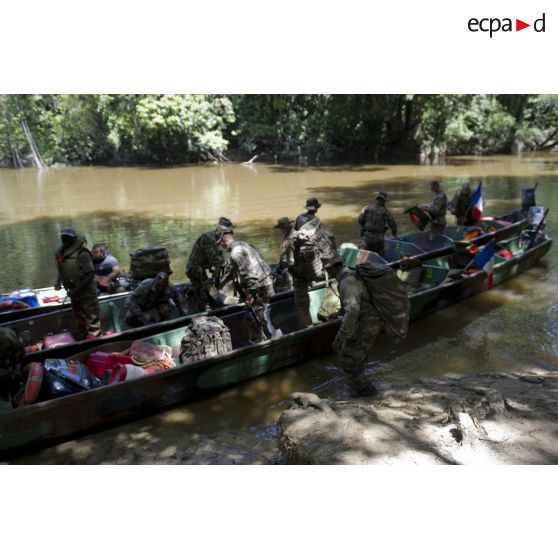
283	223
224	225
312	203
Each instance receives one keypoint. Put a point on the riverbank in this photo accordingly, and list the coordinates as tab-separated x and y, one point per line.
488	418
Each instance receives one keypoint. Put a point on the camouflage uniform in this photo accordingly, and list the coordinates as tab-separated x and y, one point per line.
367	311
206	257
374	221
461	206
361	323
301	283
75	264
437	210
253	276
146	300
304	218
11	355
283	279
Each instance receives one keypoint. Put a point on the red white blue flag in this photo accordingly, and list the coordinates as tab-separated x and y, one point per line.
476	212
485	261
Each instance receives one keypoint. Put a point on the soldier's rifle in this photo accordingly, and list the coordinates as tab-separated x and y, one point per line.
253	314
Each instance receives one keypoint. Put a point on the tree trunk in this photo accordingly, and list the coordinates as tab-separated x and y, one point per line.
35	154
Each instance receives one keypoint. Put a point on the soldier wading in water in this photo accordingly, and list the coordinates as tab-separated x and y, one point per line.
373	300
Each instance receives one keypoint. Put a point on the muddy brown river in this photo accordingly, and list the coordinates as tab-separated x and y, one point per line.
515	325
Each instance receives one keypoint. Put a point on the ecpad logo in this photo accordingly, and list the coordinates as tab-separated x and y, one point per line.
494	24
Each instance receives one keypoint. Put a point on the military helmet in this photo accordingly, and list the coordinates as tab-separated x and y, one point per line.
312	203
283	223
68	231
382	195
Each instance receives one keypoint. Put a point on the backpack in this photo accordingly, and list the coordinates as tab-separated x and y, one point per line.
389	296
205	337
315	244
145	263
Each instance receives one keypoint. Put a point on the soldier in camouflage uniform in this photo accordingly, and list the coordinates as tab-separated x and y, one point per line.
461	206
76	272
366	314
150	301
11	356
374	221
437	209
283	280
253	279
204	263
312	205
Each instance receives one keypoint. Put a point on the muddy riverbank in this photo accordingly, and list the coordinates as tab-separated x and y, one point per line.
489	418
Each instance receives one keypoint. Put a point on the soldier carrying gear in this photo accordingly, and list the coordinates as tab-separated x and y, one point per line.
374	221
204	263
462	205
373	300
76	272
437	209
312	245
312	205
150	302
254	282
283	280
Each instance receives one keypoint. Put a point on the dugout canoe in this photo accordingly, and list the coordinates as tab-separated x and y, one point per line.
56	420
419	246
422	245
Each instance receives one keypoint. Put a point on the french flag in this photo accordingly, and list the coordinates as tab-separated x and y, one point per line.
476	212
485	261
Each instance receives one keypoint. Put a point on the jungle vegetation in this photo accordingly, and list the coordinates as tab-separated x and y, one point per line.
42	130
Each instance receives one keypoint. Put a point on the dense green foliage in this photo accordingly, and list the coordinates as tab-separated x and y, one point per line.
173	129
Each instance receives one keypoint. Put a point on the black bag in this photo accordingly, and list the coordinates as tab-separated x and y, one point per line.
145	263
66	377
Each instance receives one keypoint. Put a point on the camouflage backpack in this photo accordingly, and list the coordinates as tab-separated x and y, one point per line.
207	336
315	244
389	296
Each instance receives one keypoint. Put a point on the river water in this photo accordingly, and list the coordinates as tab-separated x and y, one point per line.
513	327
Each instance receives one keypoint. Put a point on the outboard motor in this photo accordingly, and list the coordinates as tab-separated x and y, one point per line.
528	198
535	225
535	216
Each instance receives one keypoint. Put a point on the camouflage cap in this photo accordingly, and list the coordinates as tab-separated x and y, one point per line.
283	223
312	203
333	261
68	231
382	196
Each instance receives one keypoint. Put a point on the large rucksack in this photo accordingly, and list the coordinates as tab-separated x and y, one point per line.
205	337
315	244
389	297
145	263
